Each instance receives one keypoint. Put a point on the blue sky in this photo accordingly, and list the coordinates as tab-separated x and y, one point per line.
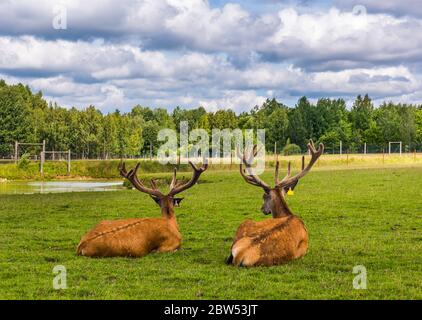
218	54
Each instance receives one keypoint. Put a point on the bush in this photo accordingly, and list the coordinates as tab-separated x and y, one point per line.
23	162
291	148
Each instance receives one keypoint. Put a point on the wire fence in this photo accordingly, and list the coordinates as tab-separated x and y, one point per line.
34	152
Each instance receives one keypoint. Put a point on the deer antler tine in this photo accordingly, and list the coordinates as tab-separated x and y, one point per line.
132	173
174	179
255	150
135	170
291	182
122	168
205	163
248	174
277	165
311	146
195	177
134	180
154	184
194	167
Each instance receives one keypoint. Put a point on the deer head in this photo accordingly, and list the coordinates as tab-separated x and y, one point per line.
274	198
167	202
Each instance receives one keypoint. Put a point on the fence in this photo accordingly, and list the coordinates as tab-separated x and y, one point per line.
35	152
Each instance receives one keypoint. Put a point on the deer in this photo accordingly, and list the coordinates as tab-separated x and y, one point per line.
138	237
284	237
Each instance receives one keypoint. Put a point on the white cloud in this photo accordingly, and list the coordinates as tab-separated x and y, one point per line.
236	100
168	53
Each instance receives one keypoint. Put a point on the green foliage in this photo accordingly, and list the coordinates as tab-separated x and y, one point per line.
15	104
26	117
418	124
367	225
24	161
291	148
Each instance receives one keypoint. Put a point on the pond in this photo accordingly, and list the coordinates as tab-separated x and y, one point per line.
12	187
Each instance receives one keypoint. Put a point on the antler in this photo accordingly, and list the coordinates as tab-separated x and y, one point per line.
290	182
176	188
133	178
251	178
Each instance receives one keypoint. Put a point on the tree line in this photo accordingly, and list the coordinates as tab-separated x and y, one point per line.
27	117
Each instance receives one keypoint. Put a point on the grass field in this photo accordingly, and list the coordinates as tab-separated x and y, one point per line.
364	217
107	169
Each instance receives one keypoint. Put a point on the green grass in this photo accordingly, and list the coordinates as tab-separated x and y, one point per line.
354	217
107	169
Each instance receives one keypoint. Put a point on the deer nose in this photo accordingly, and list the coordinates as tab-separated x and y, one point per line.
264	211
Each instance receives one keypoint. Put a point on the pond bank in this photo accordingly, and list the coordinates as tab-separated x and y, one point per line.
34	187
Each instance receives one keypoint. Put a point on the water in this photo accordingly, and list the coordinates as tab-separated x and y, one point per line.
12	187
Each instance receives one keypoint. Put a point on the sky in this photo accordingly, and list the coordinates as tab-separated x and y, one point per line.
217	54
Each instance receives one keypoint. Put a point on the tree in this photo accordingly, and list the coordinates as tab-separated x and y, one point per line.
418	124
277	128
223	119
26	116
361	118
14	116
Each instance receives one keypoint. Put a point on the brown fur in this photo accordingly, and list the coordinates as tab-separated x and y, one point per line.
269	242
138	237
133	237
282	238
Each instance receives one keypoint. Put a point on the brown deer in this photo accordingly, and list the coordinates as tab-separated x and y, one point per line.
138	237
282	238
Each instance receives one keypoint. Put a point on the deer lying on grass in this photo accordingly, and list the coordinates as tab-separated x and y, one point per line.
278	240
138	237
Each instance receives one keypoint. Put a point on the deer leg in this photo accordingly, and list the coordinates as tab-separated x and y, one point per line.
302	249
170	246
244	253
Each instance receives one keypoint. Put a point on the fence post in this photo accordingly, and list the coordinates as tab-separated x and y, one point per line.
16	151
364	148
42	156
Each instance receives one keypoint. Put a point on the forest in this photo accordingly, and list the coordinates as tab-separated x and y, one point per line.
27	117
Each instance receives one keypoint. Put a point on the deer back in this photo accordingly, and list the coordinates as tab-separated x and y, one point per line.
131	237
270	242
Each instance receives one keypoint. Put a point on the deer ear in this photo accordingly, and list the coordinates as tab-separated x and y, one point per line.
176	201
156	199
291	186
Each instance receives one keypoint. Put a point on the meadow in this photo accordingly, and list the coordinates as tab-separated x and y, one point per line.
370	217
107	169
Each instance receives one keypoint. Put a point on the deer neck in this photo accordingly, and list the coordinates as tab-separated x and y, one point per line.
280	208
167	213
